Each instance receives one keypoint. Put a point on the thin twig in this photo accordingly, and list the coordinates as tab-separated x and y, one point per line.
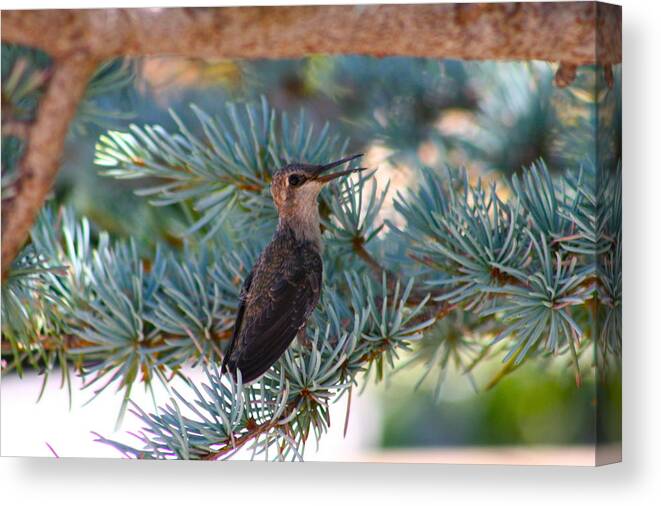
52	450
15	128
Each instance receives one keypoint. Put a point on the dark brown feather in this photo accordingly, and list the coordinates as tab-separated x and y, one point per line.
280	294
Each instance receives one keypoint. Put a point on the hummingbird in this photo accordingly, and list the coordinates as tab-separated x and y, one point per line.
283	288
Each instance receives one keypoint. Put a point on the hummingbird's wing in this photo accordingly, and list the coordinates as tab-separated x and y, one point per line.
239	319
275	313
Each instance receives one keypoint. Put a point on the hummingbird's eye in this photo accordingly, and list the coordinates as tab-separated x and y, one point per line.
295	180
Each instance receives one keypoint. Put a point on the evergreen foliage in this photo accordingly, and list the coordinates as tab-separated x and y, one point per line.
521	267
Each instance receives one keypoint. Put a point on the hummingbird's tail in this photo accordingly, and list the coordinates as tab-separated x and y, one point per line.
228	365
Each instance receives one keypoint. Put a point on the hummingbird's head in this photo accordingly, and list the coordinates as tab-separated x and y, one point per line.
296	186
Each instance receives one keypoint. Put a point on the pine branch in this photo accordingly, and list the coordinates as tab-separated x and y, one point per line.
292	399
528	264
226	171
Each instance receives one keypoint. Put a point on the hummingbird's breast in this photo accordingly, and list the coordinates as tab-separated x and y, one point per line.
287	252
304	224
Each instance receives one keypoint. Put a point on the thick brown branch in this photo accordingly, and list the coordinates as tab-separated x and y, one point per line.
41	161
556	32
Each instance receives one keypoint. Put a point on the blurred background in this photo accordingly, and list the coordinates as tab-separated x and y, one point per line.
492	118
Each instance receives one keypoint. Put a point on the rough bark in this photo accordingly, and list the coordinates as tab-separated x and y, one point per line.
77	39
40	163
546	31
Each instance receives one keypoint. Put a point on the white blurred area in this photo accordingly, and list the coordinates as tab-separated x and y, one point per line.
28	426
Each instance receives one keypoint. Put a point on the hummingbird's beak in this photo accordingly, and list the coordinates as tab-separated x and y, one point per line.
329	177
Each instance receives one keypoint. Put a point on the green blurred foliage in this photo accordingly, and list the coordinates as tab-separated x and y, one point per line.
532	407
